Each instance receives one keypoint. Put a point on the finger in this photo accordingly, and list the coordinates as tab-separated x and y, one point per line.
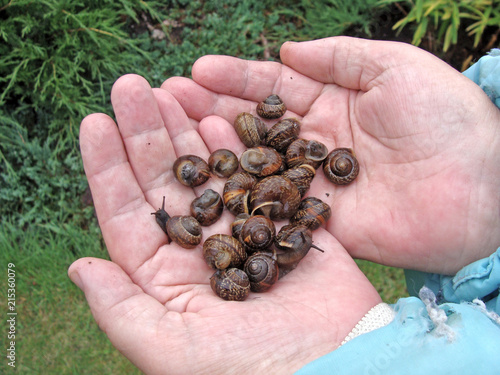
130	318
147	142
233	85
118	199
349	62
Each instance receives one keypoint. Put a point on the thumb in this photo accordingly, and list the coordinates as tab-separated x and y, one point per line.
349	62
128	316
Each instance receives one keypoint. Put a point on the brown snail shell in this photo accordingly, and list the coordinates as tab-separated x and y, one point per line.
185	231
303	151
275	197
341	166
250	129
237	224
231	284
261	161
207	208
294	240
262	270
271	108
301	176
282	134
257	233
236	192
312	212
223	251
191	170
223	163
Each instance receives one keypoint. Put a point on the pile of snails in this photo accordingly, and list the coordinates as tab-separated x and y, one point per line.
276	171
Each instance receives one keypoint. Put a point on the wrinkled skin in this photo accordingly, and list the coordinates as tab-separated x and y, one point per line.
426	196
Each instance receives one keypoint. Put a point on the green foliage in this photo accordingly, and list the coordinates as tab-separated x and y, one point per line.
447	16
58	60
333	17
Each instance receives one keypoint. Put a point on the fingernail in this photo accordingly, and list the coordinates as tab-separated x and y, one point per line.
75	277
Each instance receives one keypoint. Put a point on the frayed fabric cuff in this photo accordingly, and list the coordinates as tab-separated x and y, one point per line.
486	73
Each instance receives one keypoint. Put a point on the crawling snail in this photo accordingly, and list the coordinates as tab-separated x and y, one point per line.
267	183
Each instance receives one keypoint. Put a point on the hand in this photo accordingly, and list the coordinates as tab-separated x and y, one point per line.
153	300
426	138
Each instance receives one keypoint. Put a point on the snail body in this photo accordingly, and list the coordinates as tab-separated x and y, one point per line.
282	134
261	161
275	197
185	231
231	284
250	129
223	251
223	162
257	233
207	208
162	217
271	108
312	212
236	192
294	241
341	166
262	270
191	170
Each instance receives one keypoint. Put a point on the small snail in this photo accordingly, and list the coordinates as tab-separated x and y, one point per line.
295	241
191	170
262	270
231	284
257	233
250	129
271	108
282	134
312	212
237	224
162	217
275	197
341	166
185	231
303	151
207	208
261	161
223	162
301	176
236	192
223	251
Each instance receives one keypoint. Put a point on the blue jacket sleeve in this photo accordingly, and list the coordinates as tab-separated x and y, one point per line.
413	343
486	73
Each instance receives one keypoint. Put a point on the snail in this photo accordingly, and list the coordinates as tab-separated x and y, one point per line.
191	170
236	192
207	208
261	161
257	233
185	231
231	284
341	166
312	212
294	241
303	151
275	197
237	224
271	108
223	251
162	217
301	176
223	162
262	271
282	134
250	129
